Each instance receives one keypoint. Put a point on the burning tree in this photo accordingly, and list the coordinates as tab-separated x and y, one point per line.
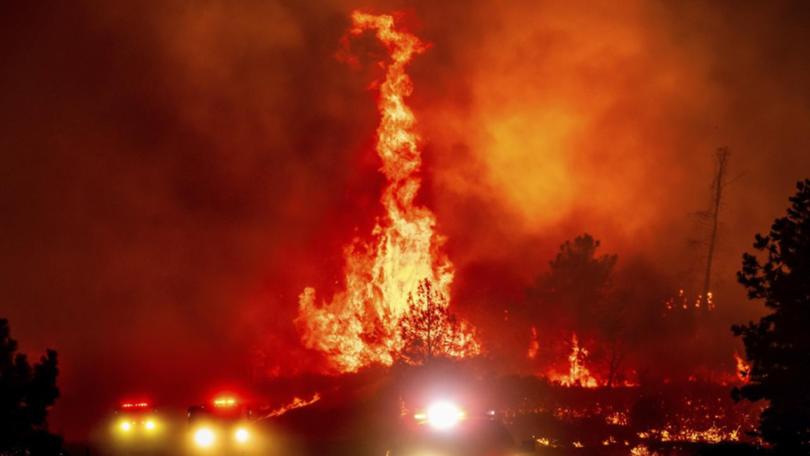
778	346
578	374
430	329
358	327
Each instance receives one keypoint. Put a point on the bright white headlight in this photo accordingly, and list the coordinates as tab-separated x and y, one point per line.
241	435
204	437
444	415
125	426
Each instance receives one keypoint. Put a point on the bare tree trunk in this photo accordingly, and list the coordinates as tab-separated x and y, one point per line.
722	159
613	366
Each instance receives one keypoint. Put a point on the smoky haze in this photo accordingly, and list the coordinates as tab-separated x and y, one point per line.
174	173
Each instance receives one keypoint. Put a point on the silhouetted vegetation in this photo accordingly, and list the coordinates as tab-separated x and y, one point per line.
26	393
649	412
579	289
430	329
778	346
577	278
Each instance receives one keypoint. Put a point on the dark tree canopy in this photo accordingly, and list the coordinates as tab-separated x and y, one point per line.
577	291
578	270
26	393
778	346
578	279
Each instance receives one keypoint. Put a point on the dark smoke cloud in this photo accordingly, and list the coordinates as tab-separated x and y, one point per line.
174	173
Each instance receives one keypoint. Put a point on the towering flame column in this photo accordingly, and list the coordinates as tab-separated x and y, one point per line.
360	325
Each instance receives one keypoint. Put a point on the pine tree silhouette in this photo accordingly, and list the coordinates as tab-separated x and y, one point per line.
778	346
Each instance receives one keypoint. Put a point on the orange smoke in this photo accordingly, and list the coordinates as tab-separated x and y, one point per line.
360	325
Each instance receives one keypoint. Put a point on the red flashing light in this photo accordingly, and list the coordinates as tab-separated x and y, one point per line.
134	405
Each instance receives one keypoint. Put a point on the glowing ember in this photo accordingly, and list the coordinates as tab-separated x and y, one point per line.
578	374
712	434
617	418
361	324
543	441
682	302
642	450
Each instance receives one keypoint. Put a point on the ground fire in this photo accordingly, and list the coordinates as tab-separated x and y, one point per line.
295	403
361	324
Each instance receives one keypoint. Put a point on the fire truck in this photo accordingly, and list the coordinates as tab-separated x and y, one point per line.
223	425
445	427
137	426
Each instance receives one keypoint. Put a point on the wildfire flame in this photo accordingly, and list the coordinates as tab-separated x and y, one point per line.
743	368
296	403
578	374
534	344
359	326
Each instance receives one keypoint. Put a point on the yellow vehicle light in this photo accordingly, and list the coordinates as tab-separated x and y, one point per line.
225	402
125	426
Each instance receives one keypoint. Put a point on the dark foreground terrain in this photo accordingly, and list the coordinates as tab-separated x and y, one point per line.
372	414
